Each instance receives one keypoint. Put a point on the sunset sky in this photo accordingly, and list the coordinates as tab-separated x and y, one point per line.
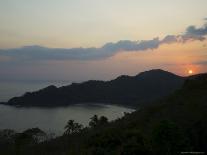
78	40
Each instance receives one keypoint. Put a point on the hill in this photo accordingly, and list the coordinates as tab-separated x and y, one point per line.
175	124
125	90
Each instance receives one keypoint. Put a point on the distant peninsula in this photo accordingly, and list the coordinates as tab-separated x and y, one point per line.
125	90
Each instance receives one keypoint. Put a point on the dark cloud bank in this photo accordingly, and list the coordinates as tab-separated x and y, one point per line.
35	53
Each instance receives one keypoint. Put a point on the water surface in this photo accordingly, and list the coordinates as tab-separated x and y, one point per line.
54	119
9	89
48	119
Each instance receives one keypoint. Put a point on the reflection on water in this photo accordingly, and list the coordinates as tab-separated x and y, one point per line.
54	119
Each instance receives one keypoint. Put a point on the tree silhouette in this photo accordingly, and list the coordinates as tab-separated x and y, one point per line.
103	120
95	121
72	127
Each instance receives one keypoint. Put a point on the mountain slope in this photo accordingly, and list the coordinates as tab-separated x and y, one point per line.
145	87
175	124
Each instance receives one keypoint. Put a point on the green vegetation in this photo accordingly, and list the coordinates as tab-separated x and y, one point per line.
175	124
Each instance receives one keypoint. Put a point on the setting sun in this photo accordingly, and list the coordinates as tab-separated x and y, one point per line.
190	72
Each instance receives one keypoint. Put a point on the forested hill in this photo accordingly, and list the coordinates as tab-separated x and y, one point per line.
175	124
125	90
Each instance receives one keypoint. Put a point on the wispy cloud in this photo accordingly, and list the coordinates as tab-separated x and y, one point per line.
38	53
201	63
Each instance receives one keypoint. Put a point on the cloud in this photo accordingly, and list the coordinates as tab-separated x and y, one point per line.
191	34
127	45
38	53
170	39
34	53
196	33
192	30
201	63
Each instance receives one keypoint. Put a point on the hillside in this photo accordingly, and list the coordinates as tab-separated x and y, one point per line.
125	90
175	124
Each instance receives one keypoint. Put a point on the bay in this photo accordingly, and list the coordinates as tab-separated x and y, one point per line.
53	120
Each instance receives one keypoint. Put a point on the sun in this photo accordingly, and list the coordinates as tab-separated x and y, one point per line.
190	71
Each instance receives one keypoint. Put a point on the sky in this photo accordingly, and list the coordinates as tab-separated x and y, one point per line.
78	40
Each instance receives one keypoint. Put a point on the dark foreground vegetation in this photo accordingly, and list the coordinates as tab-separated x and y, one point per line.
175	124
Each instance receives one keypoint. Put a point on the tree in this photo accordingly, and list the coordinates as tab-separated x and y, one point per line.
103	120
72	127
167	138
133	143
7	135
28	137
94	121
